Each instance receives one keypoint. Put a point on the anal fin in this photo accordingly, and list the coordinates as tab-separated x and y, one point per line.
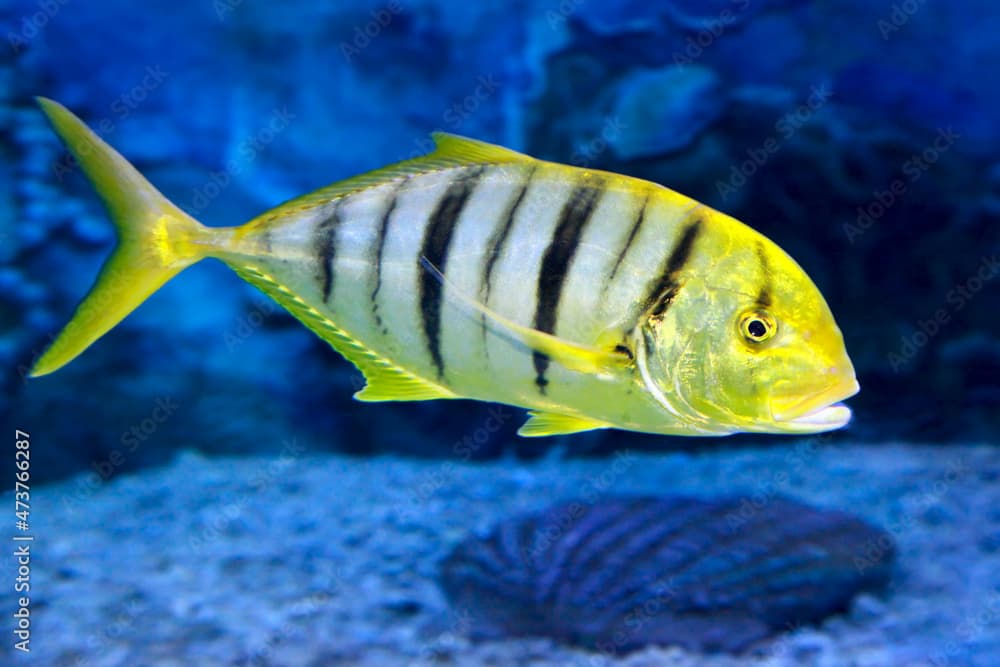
385	380
552	423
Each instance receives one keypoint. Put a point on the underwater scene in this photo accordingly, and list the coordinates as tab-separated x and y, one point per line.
531	333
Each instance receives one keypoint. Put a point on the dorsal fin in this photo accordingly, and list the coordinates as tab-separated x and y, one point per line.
451	150
462	150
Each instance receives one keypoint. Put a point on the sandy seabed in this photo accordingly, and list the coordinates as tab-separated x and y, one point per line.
323	560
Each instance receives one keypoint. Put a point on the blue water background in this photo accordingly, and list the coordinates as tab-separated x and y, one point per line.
861	136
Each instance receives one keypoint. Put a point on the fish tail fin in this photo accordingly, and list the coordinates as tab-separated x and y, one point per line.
156	240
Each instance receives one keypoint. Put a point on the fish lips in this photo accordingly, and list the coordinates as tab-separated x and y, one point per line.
821	411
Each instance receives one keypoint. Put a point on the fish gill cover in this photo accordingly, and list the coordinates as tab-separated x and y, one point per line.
707	574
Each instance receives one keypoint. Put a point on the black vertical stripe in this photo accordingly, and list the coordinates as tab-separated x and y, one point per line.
665	287
380	236
437	240
324	244
639	219
498	241
555	264
764	295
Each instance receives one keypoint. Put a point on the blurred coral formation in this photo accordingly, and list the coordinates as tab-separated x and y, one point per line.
717	575
860	136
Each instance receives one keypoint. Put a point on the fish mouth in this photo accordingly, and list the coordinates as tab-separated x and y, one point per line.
822	411
824	419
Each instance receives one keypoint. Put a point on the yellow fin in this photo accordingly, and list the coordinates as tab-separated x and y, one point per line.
386	381
156	240
552	423
574	356
450	150
462	150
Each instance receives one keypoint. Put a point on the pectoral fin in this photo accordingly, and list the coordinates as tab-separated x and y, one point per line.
551	423
574	356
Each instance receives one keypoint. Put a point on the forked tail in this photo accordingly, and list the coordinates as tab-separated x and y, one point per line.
156	240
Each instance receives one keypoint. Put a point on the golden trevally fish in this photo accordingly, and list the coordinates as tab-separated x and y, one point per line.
595	300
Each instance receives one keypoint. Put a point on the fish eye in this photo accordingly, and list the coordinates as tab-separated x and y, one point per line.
758	326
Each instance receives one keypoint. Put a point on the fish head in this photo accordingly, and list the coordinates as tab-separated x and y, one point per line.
752	347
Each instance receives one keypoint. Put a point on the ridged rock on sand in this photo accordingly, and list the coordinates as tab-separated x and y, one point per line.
708	575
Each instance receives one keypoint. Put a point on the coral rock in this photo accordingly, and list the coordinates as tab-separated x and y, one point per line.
710	575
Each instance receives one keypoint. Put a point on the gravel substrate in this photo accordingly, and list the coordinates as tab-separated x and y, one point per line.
315	560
